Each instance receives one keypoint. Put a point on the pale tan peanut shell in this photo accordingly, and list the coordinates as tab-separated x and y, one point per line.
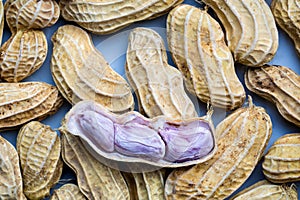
149	185
11	186
133	139
1	20
95	180
81	73
197	44
287	15
279	85
159	86
103	17
22	54
282	161
242	138
39	150
67	192
250	28
23	102
31	14
267	191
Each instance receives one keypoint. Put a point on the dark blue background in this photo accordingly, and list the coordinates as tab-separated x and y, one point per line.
114	46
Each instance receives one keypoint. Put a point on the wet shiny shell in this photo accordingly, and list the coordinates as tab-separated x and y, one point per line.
23	102
80	72
39	149
198	48
131	138
67	192
103	17
242	138
267	191
11	186
158	85
287	15
95	180
282	162
22	55
279	85
250	29
31	14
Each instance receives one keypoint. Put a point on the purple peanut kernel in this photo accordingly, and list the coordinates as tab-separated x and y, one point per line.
98	129
187	142
140	141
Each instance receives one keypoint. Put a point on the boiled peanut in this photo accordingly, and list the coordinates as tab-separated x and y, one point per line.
250	28
242	139
279	85
197	44
266	190
23	102
95	180
287	15
31	14
81	73
131	138
22	55
282	161
159	86
39	148
103	17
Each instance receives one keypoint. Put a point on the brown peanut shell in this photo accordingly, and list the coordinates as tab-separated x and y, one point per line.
198	48
158	85
39	150
267	191
242	138
23	54
282	161
280	85
11	185
31	14
81	73
287	15
23	102
95	180
104	17
67	192
250	28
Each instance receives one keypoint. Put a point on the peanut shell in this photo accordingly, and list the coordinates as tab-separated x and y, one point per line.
250	28
198	48
282	161
11	186
81	73
95	180
146	185
287	15
23	54
267	191
31	14
1	20
103	17
39	149
242	138
280	85
132	139
23	102
67	192
158	85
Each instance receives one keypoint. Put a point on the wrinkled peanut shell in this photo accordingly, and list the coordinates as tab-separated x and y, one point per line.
27	101
39	151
